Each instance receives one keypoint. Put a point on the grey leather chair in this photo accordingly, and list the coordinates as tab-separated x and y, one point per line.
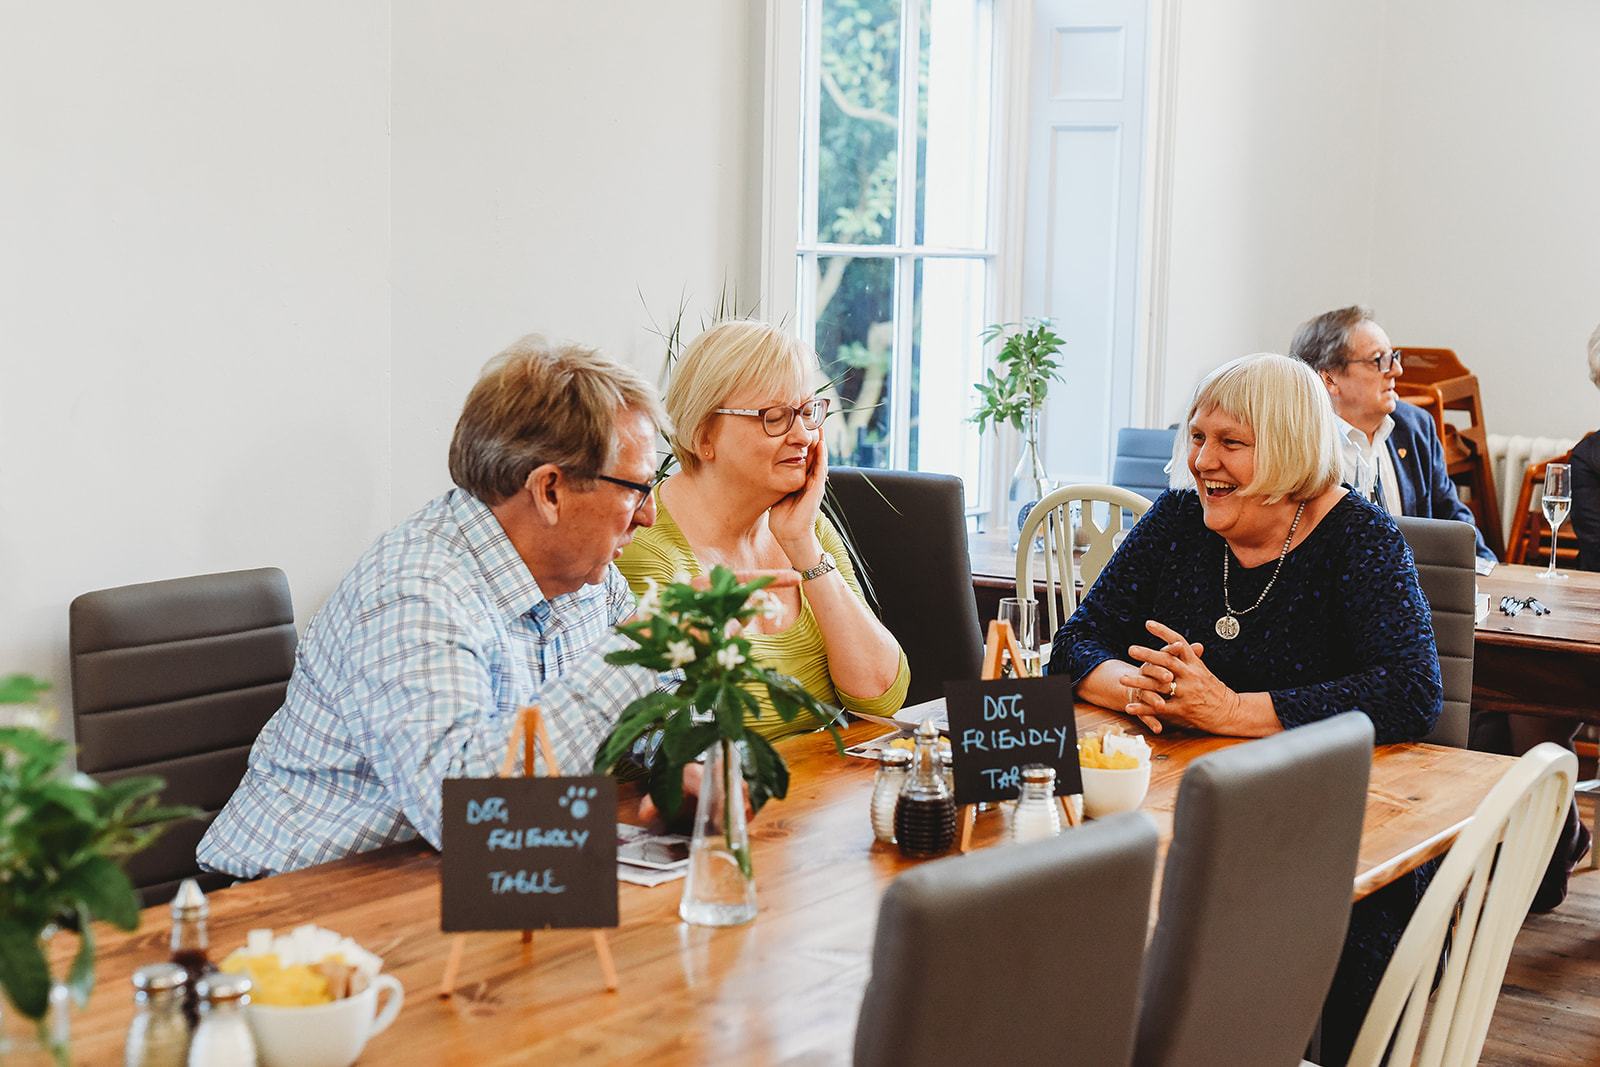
1255	897
1141	460
909	533
1014	954
1445	551
176	678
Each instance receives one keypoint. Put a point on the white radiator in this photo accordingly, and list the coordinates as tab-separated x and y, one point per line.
1510	457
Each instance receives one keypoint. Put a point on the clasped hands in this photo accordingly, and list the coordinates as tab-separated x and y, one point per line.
1174	685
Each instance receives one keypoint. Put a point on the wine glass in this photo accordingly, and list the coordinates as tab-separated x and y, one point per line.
1023	615
1557	502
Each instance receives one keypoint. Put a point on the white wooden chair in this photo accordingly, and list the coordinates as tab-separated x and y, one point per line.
1490	874
1052	522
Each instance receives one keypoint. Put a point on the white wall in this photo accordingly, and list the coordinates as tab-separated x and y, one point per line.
238	315
572	169
194	299
1434	158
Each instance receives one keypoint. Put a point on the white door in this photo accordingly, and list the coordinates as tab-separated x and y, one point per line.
1080	260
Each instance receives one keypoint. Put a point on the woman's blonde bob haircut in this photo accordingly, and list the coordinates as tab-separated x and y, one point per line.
1287	407
728	358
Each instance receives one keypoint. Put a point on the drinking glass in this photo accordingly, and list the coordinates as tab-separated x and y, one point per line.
1023	615
1557	502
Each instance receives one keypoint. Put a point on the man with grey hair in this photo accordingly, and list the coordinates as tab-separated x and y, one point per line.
499	594
1391	452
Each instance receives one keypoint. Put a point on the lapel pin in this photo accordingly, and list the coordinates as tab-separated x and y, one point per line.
1402	453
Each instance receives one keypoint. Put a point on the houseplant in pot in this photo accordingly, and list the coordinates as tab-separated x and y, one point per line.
60	838
697	631
1029	358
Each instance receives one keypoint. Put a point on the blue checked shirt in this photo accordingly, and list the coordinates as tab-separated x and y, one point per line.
412	673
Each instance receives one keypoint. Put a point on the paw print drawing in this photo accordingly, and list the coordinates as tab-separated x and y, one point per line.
577	797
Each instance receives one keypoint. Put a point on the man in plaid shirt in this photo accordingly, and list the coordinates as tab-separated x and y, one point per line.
496	595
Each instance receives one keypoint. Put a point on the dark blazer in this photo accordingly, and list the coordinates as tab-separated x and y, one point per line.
1586	500
1426	490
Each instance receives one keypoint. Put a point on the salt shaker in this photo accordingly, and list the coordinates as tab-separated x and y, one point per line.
925	815
159	1035
1036	815
223	1038
893	766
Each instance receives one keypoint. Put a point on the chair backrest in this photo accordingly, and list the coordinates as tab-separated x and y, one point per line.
1481	892
1530	534
1445	551
1141	461
1052	526
176	678
1429	365
908	530
1014	954
1255	897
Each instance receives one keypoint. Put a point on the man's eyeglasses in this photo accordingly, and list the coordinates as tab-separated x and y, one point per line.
1384	361
777	419
642	488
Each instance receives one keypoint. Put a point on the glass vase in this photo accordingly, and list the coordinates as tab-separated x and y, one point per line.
1029	482
25	1042
720	889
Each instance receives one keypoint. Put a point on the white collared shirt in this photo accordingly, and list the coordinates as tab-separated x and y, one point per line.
1367	462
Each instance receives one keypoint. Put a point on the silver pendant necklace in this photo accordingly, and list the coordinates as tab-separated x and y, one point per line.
1228	625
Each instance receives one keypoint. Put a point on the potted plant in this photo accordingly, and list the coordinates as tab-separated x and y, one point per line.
60	839
679	627
1029	358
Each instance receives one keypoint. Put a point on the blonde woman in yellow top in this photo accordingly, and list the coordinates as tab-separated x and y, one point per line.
747	495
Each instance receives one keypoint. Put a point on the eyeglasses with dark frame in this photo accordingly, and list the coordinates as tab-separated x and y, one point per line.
642	488
1384	361
777	419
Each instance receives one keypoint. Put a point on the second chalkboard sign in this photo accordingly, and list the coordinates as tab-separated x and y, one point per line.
528	853
999	727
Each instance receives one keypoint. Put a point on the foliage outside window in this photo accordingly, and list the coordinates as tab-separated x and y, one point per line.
894	261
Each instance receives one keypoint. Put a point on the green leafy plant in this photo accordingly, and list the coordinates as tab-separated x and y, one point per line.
679	627
1029	357
60	839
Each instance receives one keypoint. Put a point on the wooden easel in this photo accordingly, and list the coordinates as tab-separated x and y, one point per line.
529	729
1002	644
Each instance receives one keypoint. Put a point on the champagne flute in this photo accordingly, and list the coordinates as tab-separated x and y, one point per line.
1557	502
1023	615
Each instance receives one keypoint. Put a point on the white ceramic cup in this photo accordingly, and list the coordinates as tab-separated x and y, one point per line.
1106	792
324	1035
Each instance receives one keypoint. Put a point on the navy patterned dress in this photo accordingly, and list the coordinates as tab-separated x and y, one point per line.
1345	627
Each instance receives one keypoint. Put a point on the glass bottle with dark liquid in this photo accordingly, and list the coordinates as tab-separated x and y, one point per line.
925	816
191	944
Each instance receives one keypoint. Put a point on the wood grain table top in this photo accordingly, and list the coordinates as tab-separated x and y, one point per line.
1573	623
785	987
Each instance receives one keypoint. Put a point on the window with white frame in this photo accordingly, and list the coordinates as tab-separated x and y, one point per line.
895	262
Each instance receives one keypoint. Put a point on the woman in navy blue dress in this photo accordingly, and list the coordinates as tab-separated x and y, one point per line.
1262	596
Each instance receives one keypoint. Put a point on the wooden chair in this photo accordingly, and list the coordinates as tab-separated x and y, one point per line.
175	679
1014	954
1255	897
1436	380
1052	523
1530	534
1479	898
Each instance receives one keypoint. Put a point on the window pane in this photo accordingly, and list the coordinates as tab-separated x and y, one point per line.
947	354
953	124
855	338
859	105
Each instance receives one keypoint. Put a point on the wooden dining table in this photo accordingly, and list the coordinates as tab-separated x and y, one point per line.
785	988
1531	664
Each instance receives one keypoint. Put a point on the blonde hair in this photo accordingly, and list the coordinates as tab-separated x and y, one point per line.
1286	406
1594	356
730	356
539	403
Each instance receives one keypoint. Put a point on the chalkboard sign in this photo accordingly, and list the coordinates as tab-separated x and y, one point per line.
999	727
528	853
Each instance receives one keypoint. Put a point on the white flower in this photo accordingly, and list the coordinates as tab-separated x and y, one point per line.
650	602
680	652
730	657
769	606
681	577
